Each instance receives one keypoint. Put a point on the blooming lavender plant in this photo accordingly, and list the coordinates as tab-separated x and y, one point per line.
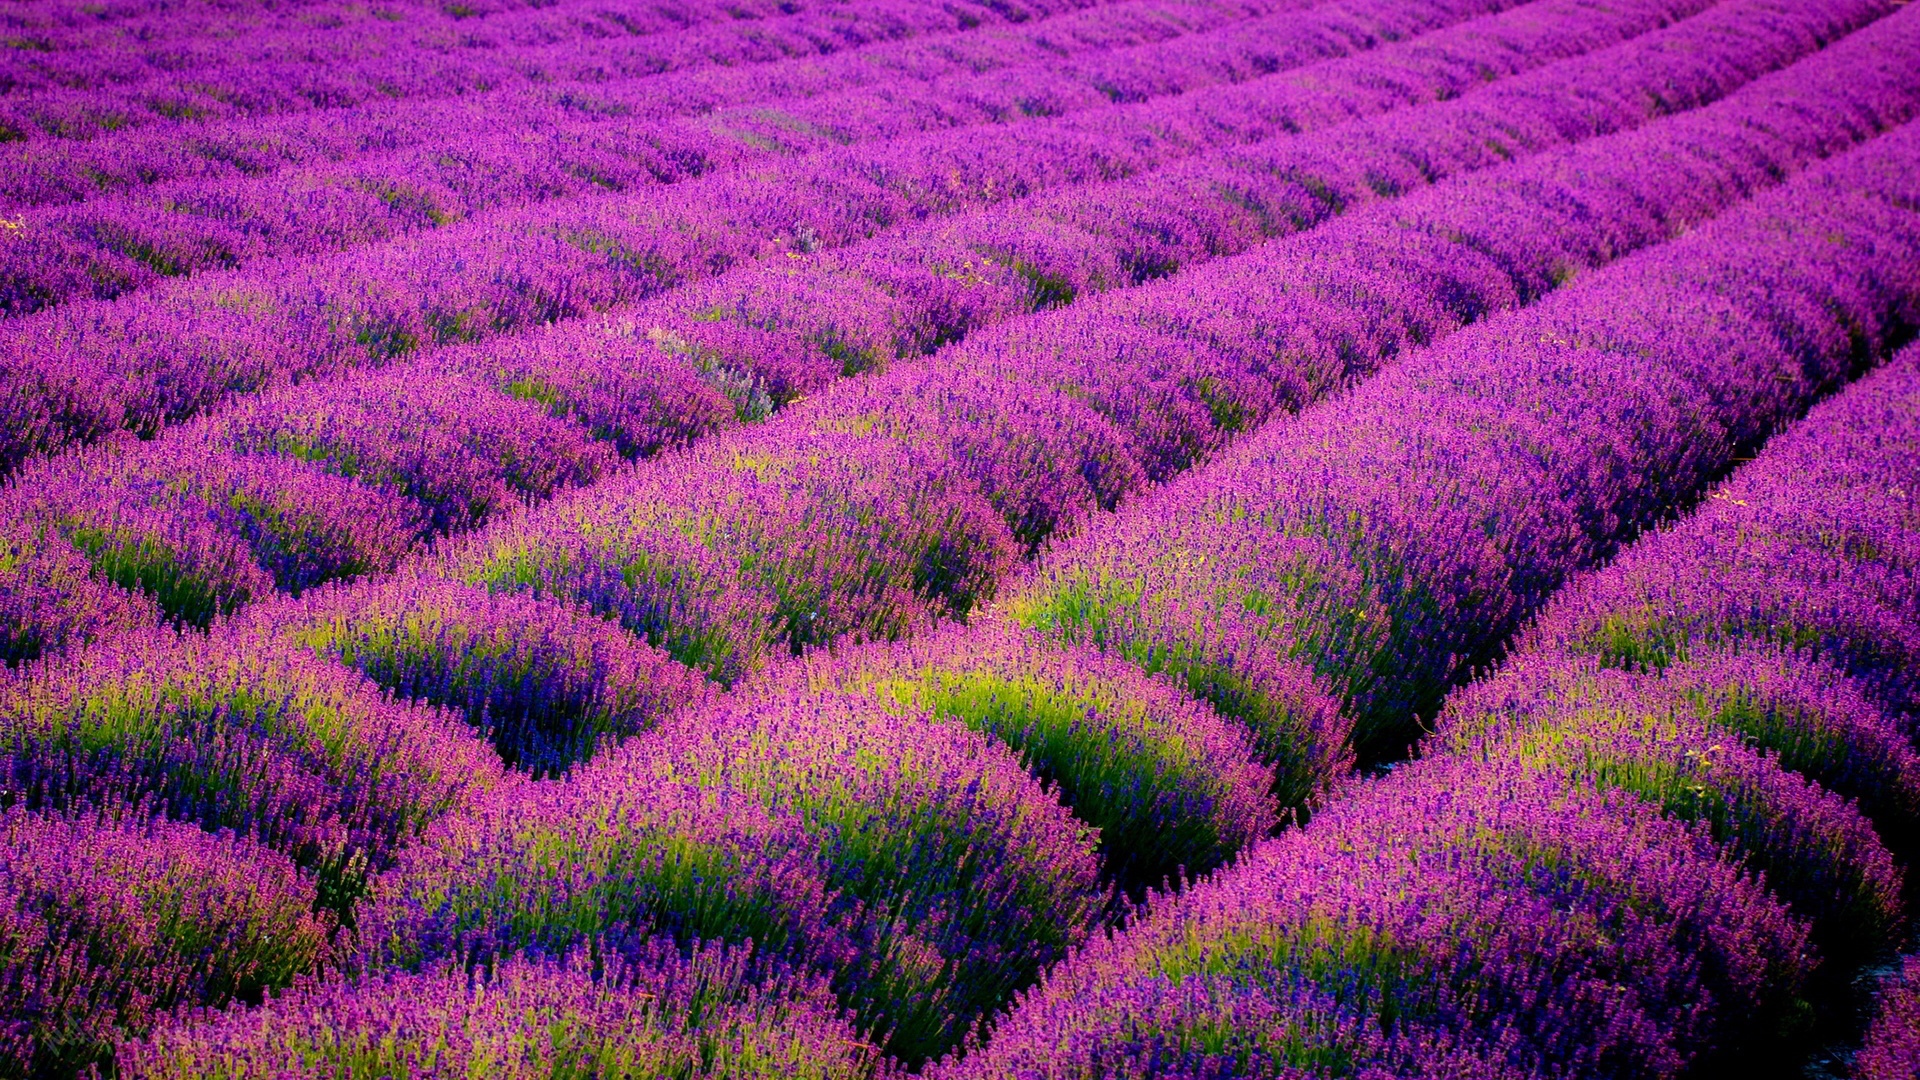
1171	787
440	440
640	1009
1832	579
606	853
1812	848
1892	1048
1478	909
50	598
109	920
959	877
825	536
233	732
548	684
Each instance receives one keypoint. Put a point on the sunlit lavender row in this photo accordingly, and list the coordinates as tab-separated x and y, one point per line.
1144	539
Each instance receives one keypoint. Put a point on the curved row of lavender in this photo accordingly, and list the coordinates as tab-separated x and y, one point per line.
662	835
443	454
83	371
1668	820
109	247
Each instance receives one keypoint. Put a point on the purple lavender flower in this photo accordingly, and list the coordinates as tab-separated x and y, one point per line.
236	733
547	683
959	876
50	598
780	536
109	920
607	852
1482	910
1814	849
1892	1047
1172	787
637	1009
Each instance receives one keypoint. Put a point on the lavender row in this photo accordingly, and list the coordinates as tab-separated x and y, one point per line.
235	731
233	150
1453	910
1796	757
124	44
113	246
1780	611
650	1011
1762	566
1451	921
1173	787
548	685
323	68
1892	1048
108	921
90	368
449	455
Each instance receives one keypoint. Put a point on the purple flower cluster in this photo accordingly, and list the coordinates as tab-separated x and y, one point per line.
913	859
641	1009
1892	1048
958	876
781	537
548	684
1170	785
200	531
1453	909
235	732
1759	569
109	920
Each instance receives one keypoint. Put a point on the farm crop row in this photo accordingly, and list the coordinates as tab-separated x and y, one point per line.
230	150
370	53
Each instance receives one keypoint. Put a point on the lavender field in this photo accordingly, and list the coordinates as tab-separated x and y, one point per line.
975	539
